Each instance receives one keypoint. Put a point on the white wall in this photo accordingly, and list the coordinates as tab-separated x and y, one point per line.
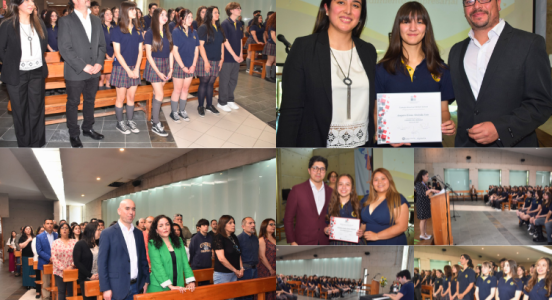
425	254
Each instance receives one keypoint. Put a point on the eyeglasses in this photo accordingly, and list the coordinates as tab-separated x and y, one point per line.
317	169
472	2
271	224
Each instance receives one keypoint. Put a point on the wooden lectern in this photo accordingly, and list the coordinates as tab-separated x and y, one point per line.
440	215
374	287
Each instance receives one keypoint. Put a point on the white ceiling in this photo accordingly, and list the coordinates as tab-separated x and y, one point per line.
81	167
14	179
539	152
287	250
521	254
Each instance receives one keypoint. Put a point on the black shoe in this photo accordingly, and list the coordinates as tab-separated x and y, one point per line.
37	296
93	134
75	142
201	111
270	79
28	288
212	109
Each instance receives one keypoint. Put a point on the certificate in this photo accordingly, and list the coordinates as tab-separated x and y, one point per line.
344	229
409	118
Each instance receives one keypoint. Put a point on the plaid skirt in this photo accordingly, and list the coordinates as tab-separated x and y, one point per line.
179	73
120	79
269	49
249	41
200	68
163	65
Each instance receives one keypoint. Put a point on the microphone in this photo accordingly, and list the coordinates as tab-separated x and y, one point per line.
434	177
282	39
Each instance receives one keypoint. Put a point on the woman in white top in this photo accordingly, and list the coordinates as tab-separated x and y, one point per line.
35	258
11	250
328	82
23	42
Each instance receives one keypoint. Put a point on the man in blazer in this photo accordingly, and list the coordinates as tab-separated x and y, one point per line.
82	45
501	79
122	265
307	203
43	249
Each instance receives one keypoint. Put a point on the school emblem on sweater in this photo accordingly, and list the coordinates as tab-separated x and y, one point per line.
512	283
437	79
488	281
353	214
466	275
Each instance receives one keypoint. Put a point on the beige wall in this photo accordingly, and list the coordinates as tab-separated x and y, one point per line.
437	160
27	212
425	254
400	163
340	160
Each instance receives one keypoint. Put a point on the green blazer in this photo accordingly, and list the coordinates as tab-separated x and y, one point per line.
162	269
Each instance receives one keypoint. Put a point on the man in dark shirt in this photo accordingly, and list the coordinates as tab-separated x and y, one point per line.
287	290
201	253
249	243
407	287
147	19
213	228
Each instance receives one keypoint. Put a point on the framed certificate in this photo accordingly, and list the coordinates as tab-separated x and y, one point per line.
344	229
409	118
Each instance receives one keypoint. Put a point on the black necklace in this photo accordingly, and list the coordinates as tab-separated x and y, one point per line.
348	82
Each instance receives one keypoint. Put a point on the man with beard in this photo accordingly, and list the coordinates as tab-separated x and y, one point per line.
501	79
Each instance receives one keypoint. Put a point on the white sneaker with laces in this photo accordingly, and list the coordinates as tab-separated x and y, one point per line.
224	107
233	105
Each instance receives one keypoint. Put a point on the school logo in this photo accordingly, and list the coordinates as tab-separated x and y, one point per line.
466	275
512	283
353	214
437	79
488	281
205	247
194	37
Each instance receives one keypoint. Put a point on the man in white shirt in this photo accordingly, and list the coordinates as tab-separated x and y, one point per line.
307	203
122	264
501	79
82	45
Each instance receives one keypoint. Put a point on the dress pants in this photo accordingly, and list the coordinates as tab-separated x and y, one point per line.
46	282
27	102
228	81
86	88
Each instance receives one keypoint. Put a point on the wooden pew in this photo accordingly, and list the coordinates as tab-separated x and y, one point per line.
244	52
509	203
322	293
256	61
48	270
295	285
35	267
72	276
427	292
52	57
204	275
18	254
310	293
30	262
228	290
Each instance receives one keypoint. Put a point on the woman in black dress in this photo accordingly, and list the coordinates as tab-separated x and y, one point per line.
423	209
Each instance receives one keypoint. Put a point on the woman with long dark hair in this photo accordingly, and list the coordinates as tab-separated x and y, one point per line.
85	255
38	274
454	282
186	54
385	211
159	67
412	64
11	250
228	261
25	244
200	17
127	45
76	232
522	276
270	48
62	259
344	203
170	269
211	49
267	252
447	277
178	233
423	204
256	32
23	42
328	82
51	24
540	219
466	279
510	286
115	11
331	179
106	15
540	284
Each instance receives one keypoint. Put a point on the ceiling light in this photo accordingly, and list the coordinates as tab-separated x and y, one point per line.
98	178
542	249
82	195
517	252
121	149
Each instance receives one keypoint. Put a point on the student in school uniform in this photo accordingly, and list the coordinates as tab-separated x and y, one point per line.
453	294
540	285
466	279
229	72
52	28
159	67
536	205
438	286
525	206
510	286
106	15
200	17
115	11
540	219
477	270
447	277
270	48
485	285
304	281
127	45
186	53
344	203
147	19
500	274
211	49
521	275
172	18
417	280
502	196
256	30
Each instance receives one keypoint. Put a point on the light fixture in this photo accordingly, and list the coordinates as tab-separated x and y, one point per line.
82	195
98	178
542	249
50	162
517	252
121	149
482	248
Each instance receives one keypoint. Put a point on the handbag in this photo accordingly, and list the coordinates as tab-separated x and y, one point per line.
10	250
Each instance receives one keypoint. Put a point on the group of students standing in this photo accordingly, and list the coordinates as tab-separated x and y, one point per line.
486	282
204	48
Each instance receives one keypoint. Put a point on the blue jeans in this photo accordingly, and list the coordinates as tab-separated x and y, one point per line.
248	274
219	277
17	268
133	290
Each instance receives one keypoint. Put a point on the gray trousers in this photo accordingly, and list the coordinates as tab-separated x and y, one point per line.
228	81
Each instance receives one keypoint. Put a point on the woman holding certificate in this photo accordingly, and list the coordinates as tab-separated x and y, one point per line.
385	211
344	204
328	81
412	64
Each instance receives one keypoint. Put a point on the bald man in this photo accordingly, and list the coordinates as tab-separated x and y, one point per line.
122	262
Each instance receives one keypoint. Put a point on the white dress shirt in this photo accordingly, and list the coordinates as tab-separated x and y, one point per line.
86	23
478	56
319	196
128	234
50	237
33	246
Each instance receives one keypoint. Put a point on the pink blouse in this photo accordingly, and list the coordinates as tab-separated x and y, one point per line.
62	255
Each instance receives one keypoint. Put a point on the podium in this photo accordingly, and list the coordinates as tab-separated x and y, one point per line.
374	287
440	215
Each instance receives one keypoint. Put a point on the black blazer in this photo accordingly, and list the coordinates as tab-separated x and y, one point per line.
306	109
83	259
516	93
10	51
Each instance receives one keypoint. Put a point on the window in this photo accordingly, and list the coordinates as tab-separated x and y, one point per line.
519	178
488	177
417	263
438	264
543	178
458	179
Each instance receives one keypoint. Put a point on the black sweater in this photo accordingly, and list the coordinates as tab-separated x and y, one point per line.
83	259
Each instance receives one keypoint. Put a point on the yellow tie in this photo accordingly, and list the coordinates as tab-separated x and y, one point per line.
215	27
161	34
235	25
130	30
185	31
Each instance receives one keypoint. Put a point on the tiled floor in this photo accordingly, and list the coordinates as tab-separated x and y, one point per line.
11	287
246	127
477	224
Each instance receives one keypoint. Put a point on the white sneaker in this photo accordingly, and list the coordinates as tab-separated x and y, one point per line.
224	107
233	105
